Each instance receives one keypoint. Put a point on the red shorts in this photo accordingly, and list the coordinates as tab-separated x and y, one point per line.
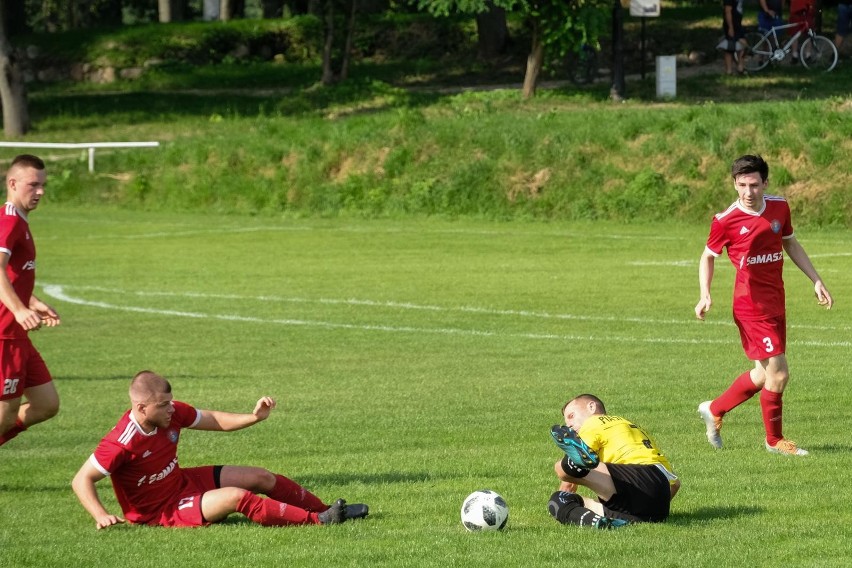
763	339
21	367
185	509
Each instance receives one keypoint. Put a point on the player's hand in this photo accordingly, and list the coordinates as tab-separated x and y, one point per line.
568	486
28	319
263	407
105	521
702	307
823	297
48	315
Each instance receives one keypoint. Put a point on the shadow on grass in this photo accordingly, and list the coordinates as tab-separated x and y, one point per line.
705	514
369	478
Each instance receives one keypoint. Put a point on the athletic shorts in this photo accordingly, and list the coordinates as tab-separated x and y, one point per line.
21	367
844	18
185	509
642	493
763	339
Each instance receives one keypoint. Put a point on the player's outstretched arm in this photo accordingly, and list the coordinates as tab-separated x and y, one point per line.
800	258
227	421
84	488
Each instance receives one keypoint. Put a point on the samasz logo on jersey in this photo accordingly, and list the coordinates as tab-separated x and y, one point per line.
28	265
765	258
159	476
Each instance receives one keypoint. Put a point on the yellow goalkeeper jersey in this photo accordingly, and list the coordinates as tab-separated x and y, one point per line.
617	440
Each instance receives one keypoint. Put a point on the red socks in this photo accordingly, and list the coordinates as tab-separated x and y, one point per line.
740	391
770	406
290	492
272	513
13	431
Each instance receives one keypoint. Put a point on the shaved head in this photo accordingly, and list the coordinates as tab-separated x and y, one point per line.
146	385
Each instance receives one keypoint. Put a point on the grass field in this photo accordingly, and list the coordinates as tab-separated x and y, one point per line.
415	362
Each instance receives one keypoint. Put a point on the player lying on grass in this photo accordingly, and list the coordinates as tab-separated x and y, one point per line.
140	456
614	458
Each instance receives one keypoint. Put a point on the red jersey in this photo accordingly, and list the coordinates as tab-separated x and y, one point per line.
17	243
144	467
754	243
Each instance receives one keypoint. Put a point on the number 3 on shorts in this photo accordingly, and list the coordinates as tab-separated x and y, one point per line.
769	347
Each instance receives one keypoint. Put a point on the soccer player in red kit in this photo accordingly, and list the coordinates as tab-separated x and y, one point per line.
140	456
23	373
757	231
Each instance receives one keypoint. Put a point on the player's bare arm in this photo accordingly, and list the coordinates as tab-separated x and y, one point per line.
215	420
800	258
706	264
29	319
49	316
84	487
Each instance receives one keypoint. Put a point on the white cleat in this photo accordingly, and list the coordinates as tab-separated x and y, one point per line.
787	448
713	423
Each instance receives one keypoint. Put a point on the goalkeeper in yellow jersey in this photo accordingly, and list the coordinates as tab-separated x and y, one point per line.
616	459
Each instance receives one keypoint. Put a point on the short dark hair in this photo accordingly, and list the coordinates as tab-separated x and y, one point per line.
28	161
586	397
750	164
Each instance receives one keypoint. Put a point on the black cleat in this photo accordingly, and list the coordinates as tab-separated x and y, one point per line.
356	511
335	514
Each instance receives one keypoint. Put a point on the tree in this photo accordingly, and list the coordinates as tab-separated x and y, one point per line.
13	94
171	10
492	33
558	26
335	60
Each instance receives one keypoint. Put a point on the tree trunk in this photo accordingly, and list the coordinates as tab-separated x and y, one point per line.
350	35
13	94
327	70
534	62
171	10
491	31
230	9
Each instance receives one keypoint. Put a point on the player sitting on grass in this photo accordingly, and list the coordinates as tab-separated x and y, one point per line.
614	458
140	455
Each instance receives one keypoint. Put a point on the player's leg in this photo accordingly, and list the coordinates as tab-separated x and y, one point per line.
42	404
275	486
598	479
42	400
771	406
572	509
10	425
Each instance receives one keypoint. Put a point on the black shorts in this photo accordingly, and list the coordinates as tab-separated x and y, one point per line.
642	493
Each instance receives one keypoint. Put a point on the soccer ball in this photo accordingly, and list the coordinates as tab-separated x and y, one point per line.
484	510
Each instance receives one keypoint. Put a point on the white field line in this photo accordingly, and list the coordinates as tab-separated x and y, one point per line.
58	292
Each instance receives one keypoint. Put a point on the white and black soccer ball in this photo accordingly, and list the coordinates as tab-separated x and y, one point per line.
484	510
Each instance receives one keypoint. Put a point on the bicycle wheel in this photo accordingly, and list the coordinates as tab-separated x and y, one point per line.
758	54
818	53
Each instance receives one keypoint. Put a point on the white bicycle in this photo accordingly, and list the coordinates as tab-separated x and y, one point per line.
816	52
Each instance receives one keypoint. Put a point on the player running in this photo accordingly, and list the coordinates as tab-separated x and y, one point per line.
23	373
140	456
755	229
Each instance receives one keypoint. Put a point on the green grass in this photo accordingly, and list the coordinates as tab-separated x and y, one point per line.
415	361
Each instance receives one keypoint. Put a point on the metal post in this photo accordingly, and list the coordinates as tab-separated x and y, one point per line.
617	92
